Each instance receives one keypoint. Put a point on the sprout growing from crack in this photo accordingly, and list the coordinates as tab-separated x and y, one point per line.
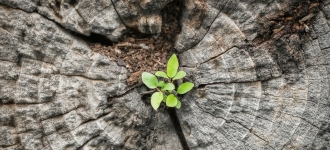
165	88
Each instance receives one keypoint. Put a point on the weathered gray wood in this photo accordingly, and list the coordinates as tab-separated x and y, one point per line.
55	92
84	17
273	95
257	86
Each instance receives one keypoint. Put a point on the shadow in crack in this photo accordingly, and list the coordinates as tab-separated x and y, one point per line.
176	124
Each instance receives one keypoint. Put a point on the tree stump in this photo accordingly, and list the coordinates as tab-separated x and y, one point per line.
261	71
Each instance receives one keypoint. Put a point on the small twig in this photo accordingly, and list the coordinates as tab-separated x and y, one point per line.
125	44
147	92
158	61
310	16
275	31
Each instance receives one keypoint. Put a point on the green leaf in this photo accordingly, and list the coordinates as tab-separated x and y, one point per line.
156	99
168	86
185	87
178	105
161	74
172	66
180	75
149	80
171	100
161	84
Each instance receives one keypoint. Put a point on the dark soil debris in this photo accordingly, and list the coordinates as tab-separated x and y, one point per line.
297	20
149	53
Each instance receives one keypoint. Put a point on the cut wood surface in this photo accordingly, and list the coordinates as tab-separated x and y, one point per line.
261	70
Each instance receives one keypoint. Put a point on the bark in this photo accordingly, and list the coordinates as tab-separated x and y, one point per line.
261	70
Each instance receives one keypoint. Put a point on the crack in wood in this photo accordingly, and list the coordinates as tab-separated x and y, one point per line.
178	129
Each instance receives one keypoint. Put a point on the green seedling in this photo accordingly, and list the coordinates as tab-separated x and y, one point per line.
163	86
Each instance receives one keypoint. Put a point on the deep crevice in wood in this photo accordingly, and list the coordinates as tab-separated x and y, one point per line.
178	129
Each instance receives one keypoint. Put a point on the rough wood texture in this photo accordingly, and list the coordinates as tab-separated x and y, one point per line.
56	93
273	95
84	17
262	78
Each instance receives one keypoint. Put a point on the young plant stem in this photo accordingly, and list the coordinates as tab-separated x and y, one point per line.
158	90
